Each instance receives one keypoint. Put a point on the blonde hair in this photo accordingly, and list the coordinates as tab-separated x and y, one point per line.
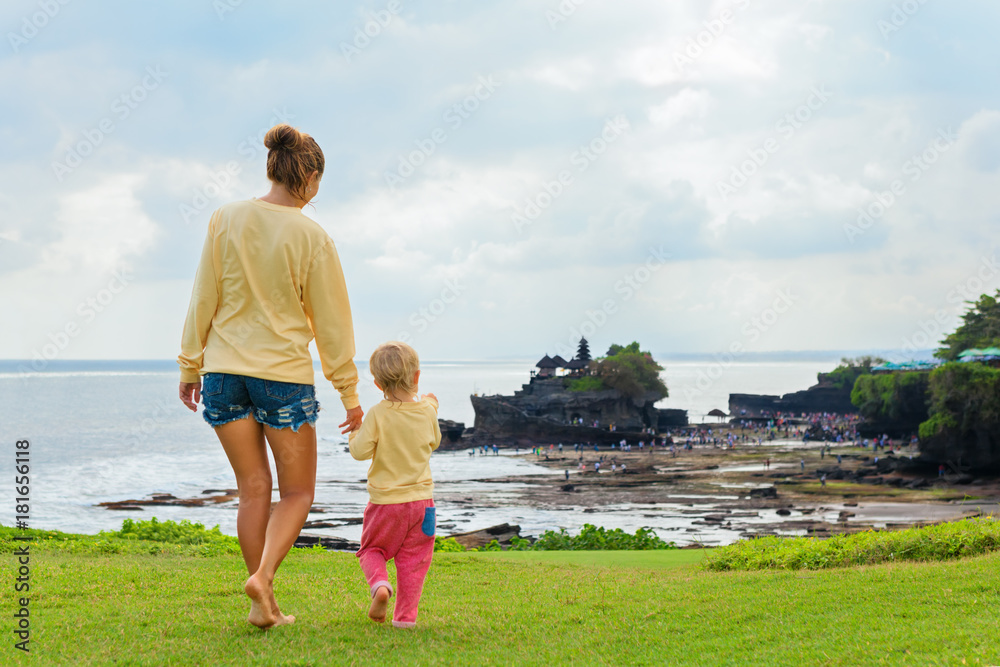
291	157
393	365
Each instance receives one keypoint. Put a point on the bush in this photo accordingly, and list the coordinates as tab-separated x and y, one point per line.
899	398
968	537
447	544
592	538
172	532
586	383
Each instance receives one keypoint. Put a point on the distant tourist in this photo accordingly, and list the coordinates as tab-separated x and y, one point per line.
398	435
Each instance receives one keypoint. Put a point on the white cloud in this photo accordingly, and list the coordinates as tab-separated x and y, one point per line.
100	227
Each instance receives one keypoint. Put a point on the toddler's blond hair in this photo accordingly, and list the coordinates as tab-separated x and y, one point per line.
393	365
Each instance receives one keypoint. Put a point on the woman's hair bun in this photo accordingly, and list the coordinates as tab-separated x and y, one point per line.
282	136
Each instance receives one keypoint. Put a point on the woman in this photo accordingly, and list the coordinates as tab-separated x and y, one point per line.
269	281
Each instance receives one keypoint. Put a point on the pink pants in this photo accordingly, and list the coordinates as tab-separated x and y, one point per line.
398	532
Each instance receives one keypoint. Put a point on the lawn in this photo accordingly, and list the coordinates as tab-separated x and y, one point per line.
513	608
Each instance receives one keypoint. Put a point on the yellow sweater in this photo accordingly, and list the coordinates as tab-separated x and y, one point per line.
269	281
398	438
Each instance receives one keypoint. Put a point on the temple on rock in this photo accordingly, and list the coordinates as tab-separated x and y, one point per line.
547	408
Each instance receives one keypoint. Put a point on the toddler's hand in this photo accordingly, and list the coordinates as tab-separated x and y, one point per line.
429	395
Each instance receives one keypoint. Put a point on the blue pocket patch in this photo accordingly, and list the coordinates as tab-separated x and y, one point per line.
428	525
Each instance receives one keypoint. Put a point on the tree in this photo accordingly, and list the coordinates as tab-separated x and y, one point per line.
849	370
980	328
631	371
583	350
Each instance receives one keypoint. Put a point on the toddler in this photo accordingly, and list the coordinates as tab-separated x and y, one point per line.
398	435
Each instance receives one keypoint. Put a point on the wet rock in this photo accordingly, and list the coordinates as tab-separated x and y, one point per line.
331	543
502	533
784	512
766	492
566	487
919	483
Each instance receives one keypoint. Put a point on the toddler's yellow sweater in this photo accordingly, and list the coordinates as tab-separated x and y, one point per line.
398	438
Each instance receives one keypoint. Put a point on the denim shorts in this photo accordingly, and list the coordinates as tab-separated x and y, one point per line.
276	404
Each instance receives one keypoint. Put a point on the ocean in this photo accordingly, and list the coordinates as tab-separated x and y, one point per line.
115	430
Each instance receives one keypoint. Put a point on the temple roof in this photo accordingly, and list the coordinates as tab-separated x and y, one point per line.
560	362
546	362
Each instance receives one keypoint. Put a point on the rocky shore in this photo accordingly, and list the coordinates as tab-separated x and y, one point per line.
768	489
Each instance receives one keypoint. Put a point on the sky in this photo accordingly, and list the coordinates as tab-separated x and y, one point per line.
503	177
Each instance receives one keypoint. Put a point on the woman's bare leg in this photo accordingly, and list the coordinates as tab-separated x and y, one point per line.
295	460
243	442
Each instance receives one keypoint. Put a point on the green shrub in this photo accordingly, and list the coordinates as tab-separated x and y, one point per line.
893	397
968	537
447	544
172	532
592	538
585	383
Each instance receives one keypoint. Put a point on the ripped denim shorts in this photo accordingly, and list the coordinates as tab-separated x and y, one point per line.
276	404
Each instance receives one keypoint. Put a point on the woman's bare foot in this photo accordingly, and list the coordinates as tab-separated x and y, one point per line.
260	594
380	605
279	618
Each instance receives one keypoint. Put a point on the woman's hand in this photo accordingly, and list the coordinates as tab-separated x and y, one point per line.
190	393
353	421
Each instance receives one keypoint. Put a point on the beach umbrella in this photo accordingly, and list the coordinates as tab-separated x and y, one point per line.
972	352
718	413
991	352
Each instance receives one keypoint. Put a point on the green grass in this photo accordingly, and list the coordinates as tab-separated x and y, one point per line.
957	539
513	608
644	559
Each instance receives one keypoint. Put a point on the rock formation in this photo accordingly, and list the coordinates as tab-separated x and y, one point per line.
544	409
818	398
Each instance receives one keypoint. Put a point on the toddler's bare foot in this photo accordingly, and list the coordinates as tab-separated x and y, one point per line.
260	594
380	604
